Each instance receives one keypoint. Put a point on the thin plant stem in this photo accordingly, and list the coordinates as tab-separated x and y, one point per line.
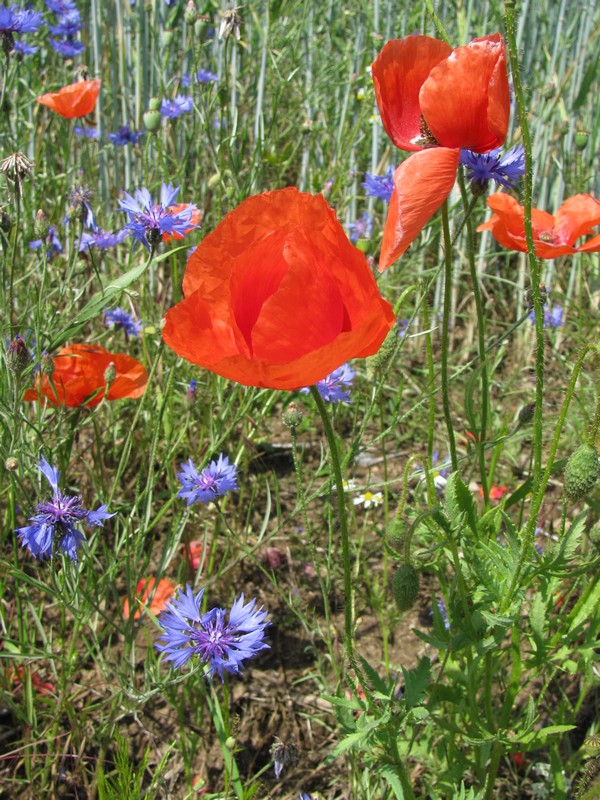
445	334
343	520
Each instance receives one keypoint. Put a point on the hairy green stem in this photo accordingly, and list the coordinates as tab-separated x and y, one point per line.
445	333
343	520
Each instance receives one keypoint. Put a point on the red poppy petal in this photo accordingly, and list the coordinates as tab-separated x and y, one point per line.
276	295
465	100
576	217
398	74
73	101
79	377
591	246
421	184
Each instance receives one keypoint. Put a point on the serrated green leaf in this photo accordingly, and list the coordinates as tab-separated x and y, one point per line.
537	616
391	776
415	682
376	682
460	505
538	738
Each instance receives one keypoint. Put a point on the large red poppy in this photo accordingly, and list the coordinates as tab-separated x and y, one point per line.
79	377
74	100
276	295
552	235
436	100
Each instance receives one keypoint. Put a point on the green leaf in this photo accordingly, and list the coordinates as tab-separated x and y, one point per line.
415	682
376	682
537	739
460	505
586	82
391	776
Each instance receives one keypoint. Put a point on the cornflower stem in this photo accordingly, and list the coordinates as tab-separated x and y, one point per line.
511	39
445	333
343	519
481	345
538	492
231	768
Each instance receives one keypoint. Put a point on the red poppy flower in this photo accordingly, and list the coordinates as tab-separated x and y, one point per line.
195	220
79	377
164	592
436	100
193	552
74	100
276	296
552	235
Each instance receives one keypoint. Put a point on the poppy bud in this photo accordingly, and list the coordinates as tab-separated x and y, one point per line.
397	532
17	355
167	38
405	586
292	416
190	14
526	415
380	360
152	118
110	373
581	472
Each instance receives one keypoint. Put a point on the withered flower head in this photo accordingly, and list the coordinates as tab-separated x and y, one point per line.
230	24
16	167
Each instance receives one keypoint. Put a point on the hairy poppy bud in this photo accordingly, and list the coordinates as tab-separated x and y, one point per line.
581	472
405	586
152	118
397	531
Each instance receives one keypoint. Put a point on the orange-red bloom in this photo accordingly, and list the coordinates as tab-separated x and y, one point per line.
164	592
436	100
74	100
79	377
552	235
276	295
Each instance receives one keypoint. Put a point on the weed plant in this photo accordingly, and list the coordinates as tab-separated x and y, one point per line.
426	547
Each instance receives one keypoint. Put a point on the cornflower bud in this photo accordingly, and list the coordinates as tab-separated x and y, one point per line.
110	373
47	364
6	222
41	226
292	416
11	464
190	395
581	139
17	355
526	415
190	14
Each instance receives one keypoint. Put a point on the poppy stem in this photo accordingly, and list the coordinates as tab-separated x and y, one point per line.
445	333
343	519
511	40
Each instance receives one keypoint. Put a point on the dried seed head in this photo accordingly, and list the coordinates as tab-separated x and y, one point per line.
16	167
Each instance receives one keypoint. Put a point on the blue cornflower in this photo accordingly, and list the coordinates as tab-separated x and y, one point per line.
380	185
56	521
553	317
61	7
205	76
221	644
119	318
13	21
505	170
214	481
24	49
148	221
67	48
125	136
176	107
444	612
69	23
101	239
362	228
87	133
53	245
190	395
80	207
330	388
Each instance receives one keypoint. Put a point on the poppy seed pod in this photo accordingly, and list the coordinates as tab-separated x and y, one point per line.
276	296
